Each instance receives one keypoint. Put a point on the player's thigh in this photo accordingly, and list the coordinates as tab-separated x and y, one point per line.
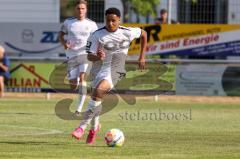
101	89
73	74
83	68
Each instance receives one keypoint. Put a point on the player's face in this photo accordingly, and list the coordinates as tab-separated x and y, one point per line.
164	15
81	11
112	22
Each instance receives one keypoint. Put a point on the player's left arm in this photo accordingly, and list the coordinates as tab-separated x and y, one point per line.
141	59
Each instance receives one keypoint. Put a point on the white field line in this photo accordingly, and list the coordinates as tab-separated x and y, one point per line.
46	131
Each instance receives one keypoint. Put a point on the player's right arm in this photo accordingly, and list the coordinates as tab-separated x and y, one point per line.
100	55
92	47
61	35
62	40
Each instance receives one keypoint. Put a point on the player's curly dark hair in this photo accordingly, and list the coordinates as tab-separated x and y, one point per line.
113	11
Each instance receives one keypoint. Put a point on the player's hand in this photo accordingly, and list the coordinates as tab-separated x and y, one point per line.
67	46
101	54
141	64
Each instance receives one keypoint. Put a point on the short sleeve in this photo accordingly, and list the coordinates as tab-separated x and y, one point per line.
94	27
64	28
135	33
92	44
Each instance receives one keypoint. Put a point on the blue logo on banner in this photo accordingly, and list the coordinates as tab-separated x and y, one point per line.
50	37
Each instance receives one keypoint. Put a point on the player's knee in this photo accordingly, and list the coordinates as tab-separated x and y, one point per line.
98	94
82	77
82	81
73	84
96	97
73	87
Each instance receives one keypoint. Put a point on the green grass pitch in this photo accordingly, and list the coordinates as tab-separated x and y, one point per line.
29	129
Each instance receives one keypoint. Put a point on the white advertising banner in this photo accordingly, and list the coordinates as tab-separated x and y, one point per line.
30	39
196	79
208	79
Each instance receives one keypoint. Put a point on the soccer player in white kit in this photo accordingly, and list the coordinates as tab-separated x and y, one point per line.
107	48
73	36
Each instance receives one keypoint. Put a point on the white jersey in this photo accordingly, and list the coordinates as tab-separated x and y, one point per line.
115	45
112	42
76	34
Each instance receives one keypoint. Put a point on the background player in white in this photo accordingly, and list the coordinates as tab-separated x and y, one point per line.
107	48
73	36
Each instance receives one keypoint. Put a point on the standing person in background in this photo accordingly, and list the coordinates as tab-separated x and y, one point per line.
4	70
73	36
163	19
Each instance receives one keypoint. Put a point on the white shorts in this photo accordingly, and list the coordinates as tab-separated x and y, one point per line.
76	65
113	78
112	70
74	73
99	78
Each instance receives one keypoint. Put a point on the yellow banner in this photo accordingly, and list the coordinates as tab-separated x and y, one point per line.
164	33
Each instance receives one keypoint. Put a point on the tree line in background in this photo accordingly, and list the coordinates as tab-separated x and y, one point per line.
140	7
144	8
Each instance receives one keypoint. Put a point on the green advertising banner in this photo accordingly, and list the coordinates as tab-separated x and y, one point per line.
30	76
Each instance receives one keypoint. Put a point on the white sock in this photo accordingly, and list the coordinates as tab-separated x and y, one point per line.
82	96
92	111
95	123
